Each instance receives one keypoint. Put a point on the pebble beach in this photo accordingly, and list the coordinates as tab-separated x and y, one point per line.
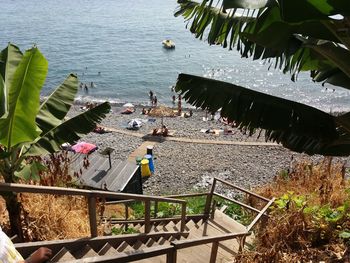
185	167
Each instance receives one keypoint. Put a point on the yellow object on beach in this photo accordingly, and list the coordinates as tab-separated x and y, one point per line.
145	171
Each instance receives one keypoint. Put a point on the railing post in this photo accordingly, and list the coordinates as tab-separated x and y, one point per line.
155	209
213	207
214	252
171	257
209	199
183	217
92	215
147	216
126	215
241	243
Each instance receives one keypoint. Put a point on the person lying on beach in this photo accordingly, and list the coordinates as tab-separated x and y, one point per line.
226	121
100	130
128	111
161	132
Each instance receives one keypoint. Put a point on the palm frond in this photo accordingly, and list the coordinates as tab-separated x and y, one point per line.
70	130
297	126
56	106
266	35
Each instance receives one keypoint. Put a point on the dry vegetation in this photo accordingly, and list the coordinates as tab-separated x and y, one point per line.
52	217
306	222
312	208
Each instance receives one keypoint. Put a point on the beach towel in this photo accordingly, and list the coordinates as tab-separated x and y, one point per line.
84	147
134	124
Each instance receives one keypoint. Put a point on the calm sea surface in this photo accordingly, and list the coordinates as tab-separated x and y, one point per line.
122	40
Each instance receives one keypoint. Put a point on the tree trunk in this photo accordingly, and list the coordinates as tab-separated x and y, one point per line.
14	210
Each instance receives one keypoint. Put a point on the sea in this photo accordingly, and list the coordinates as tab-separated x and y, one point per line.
116	45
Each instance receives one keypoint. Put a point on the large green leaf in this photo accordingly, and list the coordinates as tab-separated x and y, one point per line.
70	131
339	56
301	10
3	99
248	4
251	35
295	125
10	57
56	106
23	99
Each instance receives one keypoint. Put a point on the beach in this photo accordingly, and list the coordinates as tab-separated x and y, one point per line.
182	166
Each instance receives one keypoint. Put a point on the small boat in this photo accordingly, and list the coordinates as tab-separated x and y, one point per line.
168	44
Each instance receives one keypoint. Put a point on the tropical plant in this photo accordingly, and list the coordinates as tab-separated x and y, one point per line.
28	128
293	36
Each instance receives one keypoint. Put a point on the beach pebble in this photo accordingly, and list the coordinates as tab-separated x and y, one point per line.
182	167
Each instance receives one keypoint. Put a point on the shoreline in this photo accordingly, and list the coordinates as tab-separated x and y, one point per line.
183	167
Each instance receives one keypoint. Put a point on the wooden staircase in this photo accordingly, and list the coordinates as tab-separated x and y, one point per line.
161	239
209	237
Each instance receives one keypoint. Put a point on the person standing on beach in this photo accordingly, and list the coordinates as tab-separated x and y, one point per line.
179	107
155	101
151	97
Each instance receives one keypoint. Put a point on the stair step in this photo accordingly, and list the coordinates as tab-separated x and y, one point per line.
150	242
62	256
141	229
124	247
107	250
163	241
190	225
85	252
138	245
170	226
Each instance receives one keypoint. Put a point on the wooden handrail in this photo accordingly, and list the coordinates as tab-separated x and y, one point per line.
37	189
187	195
92	195
28	248
138	221
261	213
168	196
131	256
242	189
179	244
238	203
209	199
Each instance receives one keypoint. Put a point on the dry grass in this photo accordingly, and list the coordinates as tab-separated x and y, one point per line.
49	217
291	235
322	183
52	217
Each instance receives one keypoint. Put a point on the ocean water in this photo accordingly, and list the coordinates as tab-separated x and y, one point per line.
122	40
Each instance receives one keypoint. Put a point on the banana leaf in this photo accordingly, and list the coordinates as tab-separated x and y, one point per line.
296	126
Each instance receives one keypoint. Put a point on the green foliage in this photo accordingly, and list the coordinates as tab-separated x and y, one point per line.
322	223
28	128
344	235
122	231
195	205
233	210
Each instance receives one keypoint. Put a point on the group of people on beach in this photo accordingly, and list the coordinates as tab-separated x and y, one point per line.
153	98
85	86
